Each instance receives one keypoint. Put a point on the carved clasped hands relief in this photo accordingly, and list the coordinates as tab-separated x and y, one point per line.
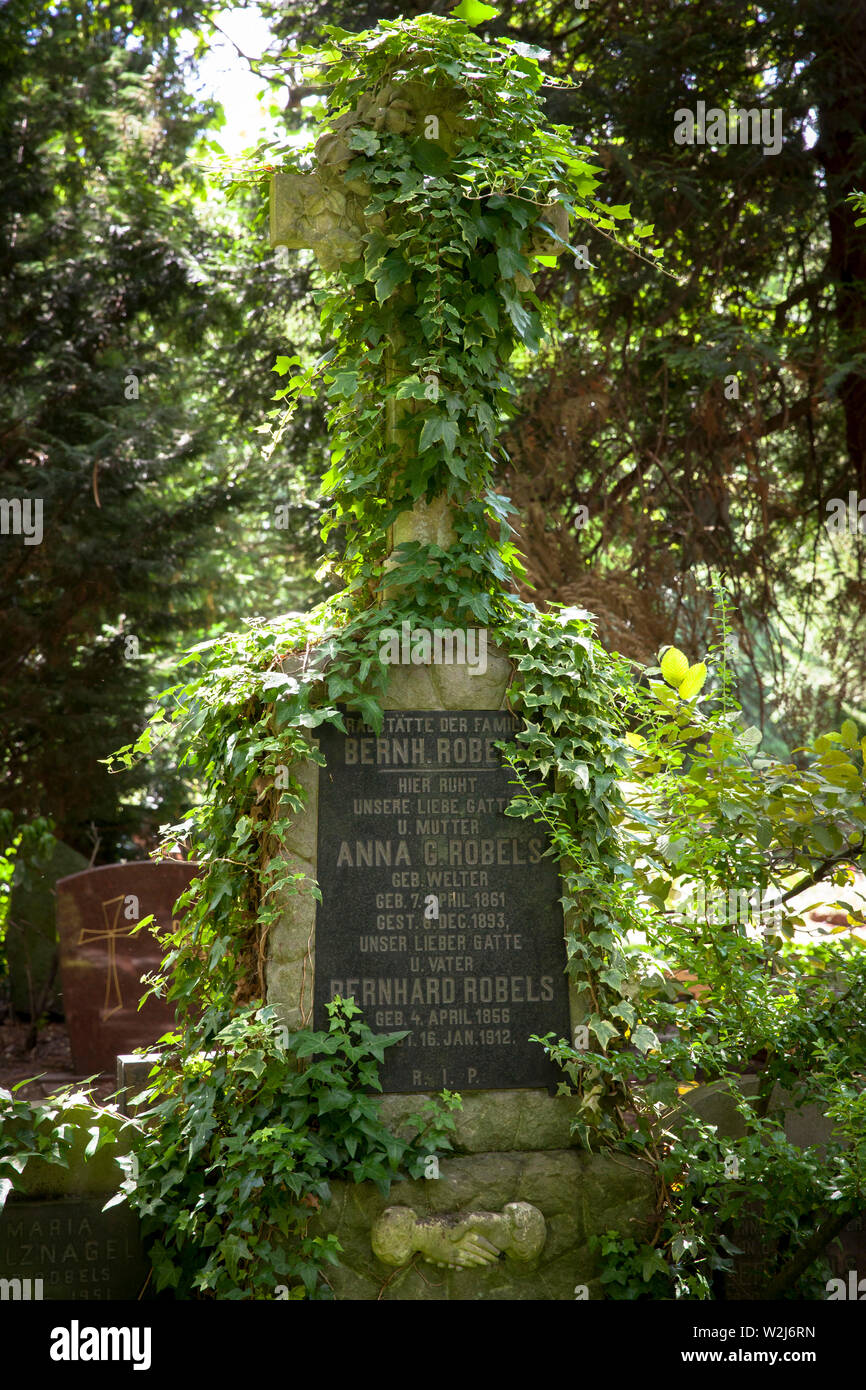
462	1240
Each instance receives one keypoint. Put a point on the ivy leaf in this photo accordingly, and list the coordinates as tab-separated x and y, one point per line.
370	711
579	773
603	1029
284	363
113	1201
449	435
522	321
367	141
473	12
489	310
625	1011
429	157
344	384
393	271
680	1244
411	388
511	263
644	1038
431	432
729	1245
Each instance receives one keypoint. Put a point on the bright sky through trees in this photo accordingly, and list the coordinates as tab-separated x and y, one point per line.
224	75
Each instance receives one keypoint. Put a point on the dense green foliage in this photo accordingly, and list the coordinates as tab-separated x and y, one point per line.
714	841
649	783
631	411
625	413
440	300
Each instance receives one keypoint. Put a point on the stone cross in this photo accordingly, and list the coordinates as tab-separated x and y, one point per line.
324	212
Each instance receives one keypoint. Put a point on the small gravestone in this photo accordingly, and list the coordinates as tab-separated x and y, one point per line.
103	959
750	1268
69	1248
439	914
31	931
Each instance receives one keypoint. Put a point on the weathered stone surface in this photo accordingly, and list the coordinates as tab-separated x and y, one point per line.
323	210
715	1104
498	1121
133	1071
449	687
578	1195
53	1227
428	523
100	1173
68	1248
459	1240
291	944
301	830
482	975
308	211
517	1142
804	1125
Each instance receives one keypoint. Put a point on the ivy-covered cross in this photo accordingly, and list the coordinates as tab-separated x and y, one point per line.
434	196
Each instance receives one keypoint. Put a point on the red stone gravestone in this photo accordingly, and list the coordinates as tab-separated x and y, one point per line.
102	962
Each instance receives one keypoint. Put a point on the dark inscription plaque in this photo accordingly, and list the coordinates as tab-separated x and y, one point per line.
438	913
69	1248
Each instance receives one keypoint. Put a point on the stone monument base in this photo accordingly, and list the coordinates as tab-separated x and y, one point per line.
577	1194
511	1214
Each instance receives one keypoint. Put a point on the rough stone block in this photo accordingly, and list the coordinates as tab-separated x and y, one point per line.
498	1121
578	1194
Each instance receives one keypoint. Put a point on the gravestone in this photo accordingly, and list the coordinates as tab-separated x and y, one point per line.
848	1251
805	1127
69	1248
31	931
102	958
439	914
513	1141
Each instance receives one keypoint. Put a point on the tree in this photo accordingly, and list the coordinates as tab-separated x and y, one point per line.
136	339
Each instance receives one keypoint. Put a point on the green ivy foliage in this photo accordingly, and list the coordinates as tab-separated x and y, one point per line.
241	1139
425	324
633	783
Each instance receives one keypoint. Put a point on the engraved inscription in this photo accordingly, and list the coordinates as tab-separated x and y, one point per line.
439	913
71	1249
